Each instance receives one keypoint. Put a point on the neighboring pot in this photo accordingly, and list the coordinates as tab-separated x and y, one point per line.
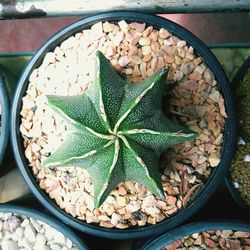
239	76
213	181
4	118
32	213
193	228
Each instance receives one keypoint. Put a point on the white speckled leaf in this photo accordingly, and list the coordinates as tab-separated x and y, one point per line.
106	180
110	85
157	132
149	104
79	144
151	87
147	173
78	109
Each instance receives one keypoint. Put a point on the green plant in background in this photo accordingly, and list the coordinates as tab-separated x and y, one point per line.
117	131
243	103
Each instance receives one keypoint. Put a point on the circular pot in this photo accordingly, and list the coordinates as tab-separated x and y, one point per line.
32	213
216	176
4	118
239	76
189	229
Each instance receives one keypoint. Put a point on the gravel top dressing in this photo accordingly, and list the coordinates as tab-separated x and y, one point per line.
136	51
240	169
243	103
219	239
21	232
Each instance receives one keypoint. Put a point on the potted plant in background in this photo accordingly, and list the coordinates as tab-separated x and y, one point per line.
196	95
26	228
238	179
219	234
4	118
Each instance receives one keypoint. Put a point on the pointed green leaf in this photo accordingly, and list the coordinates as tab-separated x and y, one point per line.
150	91
109	89
157	132
106	171
141	165
77	109
79	144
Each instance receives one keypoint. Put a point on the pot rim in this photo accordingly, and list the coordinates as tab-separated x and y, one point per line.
5	117
195	227
216	176
47	219
228	180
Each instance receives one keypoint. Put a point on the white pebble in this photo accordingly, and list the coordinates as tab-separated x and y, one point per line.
9	245
118	38
124	26
69	43
49	232
30	233
19	232
247	158
7	235
97	30
34	221
6	226
181	44
23	242
25	223
40	241
115	218
133	206
59	238
124	61
241	141
69	243
236	185
55	247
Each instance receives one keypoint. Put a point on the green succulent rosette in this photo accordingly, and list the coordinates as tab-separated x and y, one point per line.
116	131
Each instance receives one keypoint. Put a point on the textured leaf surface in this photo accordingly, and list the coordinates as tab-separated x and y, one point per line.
117	131
78	109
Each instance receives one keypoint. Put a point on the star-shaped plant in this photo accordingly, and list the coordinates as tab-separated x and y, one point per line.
116	131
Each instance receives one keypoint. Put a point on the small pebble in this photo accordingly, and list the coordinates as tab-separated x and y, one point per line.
22	233
220	239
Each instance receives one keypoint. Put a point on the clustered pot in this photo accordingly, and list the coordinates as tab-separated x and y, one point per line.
243	141
4	117
31	225
200	229
229	129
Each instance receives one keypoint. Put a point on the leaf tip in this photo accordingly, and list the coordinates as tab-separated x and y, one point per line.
163	71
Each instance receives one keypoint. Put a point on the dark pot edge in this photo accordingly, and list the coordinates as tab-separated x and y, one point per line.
228	180
5	117
29	212
230	128
195	227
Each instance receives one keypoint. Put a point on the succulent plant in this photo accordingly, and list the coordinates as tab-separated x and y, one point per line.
116	131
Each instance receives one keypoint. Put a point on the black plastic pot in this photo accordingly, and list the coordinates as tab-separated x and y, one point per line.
4	118
239	76
189	229
21	210
216	176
